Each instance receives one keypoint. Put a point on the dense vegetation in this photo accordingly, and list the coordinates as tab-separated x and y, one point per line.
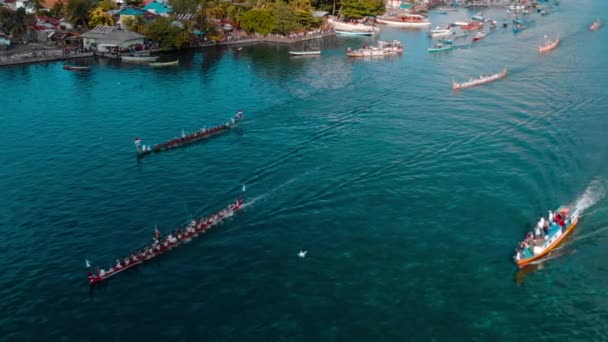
253	16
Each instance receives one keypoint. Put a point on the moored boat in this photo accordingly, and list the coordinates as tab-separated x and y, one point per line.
383	49
516	7
305	53
352	27
546	236
479	36
441	32
354	33
549	45
519	27
164	64
186	139
76	68
478	17
472	26
440	47
461	23
138	59
164	244
405	20
596	25
481	80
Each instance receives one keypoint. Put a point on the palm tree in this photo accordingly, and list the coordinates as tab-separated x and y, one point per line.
77	12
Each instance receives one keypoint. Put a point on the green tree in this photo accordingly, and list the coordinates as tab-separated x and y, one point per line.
106	5
258	20
361	8
184	6
138	24
285	19
170	33
77	12
100	18
18	27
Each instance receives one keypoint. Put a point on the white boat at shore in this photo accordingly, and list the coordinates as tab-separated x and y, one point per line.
138	59
354	33
404	20
345	27
461	23
305	53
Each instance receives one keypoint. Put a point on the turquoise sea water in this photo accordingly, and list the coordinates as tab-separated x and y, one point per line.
408	197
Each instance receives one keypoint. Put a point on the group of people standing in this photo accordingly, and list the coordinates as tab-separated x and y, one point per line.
540	233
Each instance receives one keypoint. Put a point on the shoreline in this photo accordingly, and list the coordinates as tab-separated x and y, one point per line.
8	61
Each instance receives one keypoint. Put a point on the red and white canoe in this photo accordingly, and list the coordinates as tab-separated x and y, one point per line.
549	45
167	243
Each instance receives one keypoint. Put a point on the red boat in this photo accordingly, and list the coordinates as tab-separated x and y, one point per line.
472	26
167	243
479	36
186	139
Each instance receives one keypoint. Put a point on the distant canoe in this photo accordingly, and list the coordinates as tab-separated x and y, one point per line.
354	33
76	68
164	64
138	59
305	53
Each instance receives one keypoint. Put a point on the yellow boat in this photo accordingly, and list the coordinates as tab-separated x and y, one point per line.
536	249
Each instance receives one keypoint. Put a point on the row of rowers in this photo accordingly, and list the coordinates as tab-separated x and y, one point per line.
161	244
204	132
544	228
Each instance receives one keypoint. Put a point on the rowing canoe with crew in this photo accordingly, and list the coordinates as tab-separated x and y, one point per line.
186	139
161	245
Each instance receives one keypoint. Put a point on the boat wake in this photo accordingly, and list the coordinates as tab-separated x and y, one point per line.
593	194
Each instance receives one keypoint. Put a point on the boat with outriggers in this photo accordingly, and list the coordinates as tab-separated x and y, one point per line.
383	49
596	25
479	81
163	244
186	139
546	236
548	45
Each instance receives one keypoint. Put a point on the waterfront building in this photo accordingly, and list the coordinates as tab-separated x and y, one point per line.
109	38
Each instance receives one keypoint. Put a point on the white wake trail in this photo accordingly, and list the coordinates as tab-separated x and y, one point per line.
593	194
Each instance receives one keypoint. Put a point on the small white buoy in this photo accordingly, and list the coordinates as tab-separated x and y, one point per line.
302	254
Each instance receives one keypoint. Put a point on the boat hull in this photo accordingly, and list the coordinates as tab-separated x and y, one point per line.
418	24
165	64
138	59
354	33
524	262
304	53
